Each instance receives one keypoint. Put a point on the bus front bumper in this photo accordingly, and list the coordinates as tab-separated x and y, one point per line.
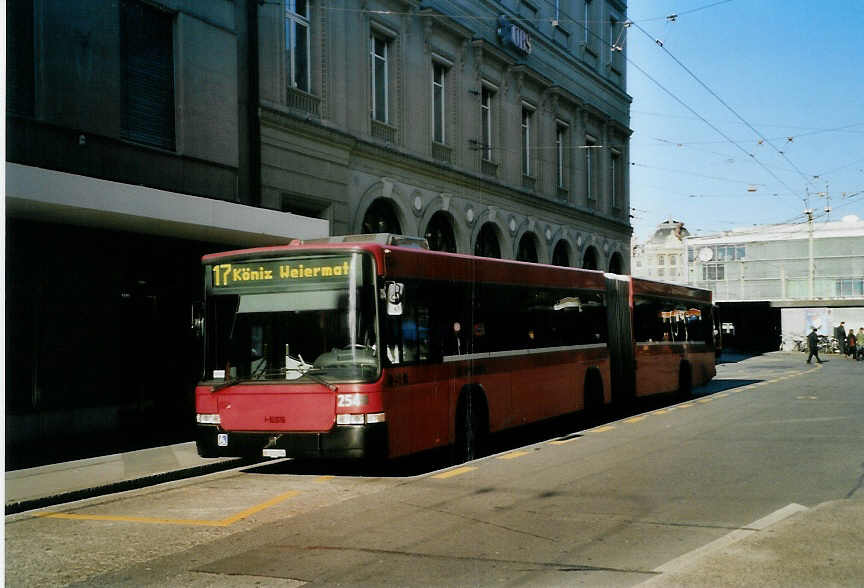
342	441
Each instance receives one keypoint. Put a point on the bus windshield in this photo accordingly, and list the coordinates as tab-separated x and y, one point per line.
292	318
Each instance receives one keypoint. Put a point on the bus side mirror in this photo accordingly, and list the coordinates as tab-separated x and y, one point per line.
197	324
393	292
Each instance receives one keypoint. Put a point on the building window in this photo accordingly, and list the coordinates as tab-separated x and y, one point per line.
297	44
673	259
660	272
438	111
661	259
590	144
586	18
561	155
527	114
849	288
486	120
616	44
379	49
613	178
713	272
148	74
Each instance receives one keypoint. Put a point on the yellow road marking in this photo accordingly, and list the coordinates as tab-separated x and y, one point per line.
602	429
452	473
724	395
324	478
704	400
513	455
159	521
684	405
635	419
661	411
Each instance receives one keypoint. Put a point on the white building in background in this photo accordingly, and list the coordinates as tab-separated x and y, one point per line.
663	256
805	274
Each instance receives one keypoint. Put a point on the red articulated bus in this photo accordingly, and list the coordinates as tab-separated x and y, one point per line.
372	346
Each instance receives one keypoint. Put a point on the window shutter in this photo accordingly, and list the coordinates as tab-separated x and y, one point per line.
149	75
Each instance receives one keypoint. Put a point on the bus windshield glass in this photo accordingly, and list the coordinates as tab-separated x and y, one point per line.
291	318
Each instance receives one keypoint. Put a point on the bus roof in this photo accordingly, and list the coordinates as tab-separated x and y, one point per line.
401	257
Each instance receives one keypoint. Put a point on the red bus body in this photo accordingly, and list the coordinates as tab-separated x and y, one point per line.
412	406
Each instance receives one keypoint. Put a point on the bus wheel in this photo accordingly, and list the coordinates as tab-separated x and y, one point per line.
470	428
593	396
685	381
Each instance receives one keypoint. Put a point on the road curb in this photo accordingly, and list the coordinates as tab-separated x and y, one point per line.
20	506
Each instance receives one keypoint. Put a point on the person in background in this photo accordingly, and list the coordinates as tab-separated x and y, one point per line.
851	344
859	344
840	335
813	346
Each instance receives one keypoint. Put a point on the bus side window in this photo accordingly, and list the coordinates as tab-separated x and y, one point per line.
409	336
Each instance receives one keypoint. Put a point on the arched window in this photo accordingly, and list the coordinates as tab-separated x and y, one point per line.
381	217
527	248
589	260
561	254
487	244
439	233
616	264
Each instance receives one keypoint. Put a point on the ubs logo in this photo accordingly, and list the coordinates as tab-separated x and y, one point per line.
274	419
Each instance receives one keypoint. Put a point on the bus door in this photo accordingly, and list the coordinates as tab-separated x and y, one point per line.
417	390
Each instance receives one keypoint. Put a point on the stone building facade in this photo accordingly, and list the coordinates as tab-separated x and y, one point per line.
427	119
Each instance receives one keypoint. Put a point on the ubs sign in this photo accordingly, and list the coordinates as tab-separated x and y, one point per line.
511	34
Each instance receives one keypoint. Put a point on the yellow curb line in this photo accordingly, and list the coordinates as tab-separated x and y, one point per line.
158	521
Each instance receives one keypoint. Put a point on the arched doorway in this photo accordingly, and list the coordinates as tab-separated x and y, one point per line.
561	254
439	233
488	244
589	260
616	264
527	248
381	217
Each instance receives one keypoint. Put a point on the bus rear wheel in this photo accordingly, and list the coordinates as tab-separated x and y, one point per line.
685	381
593	397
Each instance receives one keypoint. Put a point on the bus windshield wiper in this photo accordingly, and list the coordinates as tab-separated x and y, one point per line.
318	378
305	369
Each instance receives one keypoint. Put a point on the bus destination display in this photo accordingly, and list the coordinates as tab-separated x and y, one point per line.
282	271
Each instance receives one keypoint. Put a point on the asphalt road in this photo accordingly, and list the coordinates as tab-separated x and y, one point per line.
607	506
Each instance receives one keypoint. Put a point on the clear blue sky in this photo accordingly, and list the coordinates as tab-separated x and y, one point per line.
793	70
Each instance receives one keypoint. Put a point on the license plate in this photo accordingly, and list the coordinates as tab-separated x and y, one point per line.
273	452
222	440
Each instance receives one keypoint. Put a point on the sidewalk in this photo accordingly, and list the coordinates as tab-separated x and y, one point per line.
821	546
84	478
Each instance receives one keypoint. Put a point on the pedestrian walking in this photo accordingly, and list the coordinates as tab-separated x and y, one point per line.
851	341
813	346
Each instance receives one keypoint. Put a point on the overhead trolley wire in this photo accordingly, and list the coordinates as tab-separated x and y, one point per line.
735	113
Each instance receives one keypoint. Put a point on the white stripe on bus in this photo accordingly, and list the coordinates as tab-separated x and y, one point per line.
518	352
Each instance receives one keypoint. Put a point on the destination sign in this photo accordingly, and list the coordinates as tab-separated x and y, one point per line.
282	271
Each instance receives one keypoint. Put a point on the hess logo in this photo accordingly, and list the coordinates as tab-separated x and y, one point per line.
274	419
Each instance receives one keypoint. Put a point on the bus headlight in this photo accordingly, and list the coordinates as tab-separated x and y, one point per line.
208	419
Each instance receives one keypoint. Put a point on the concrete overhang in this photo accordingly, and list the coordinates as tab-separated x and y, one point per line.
59	197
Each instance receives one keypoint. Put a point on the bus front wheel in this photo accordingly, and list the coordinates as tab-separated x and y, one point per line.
470	428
